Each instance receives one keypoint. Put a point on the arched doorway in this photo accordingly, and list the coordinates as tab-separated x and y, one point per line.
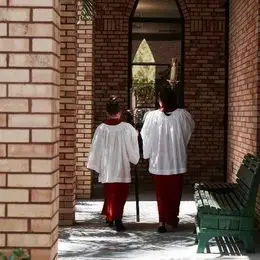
161	24
113	56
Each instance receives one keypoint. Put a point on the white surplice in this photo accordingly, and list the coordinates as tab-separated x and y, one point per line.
165	140
113	148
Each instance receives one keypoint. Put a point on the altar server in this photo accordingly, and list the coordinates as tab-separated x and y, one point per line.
114	147
166	133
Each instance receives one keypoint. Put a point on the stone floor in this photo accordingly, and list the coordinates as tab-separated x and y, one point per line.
91	239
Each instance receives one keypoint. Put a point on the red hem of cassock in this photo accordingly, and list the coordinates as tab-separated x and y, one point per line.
115	199
168	193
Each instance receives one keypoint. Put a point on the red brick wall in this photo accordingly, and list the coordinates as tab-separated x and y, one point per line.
204	88
243	111
110	54
110	39
243	106
68	111
203	77
84	117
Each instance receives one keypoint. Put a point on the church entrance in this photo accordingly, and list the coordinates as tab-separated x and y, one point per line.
156	54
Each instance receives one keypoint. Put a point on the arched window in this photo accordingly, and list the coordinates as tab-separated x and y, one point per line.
142	72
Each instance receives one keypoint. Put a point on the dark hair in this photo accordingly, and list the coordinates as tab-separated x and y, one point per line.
129	117
113	106
168	96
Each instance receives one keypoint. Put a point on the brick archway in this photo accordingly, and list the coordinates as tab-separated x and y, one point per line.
30	177
181	3
82	86
102	69
204	74
101	55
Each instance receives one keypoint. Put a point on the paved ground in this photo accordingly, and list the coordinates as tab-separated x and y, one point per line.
91	239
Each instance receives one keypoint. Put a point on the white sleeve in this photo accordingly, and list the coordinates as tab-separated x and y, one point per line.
96	151
132	145
146	134
188	126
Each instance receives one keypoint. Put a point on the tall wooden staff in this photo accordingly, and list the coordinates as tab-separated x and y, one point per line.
137	195
130	120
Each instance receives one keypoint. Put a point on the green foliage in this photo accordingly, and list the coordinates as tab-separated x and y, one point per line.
87	10
2	256
144	89
17	254
144	55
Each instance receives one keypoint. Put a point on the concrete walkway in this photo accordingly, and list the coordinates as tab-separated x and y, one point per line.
91	239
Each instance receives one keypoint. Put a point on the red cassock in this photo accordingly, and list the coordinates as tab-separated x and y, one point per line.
115	195
168	192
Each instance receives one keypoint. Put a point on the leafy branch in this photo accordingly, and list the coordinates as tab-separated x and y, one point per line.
144	89
87	9
17	254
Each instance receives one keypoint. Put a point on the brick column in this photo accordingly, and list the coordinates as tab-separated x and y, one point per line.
68	111
204	87
29	107
84	116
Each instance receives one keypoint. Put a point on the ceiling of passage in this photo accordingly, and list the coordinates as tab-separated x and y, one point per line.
157	8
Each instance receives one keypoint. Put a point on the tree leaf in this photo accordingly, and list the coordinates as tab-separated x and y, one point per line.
13	257
18	252
87	10
2	256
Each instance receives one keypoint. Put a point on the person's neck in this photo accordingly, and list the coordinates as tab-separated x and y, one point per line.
162	108
116	117
113	120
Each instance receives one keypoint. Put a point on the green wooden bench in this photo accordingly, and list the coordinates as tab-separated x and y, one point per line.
225	209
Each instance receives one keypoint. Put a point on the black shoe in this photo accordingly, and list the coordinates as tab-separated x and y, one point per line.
175	225
119	225
109	223
161	229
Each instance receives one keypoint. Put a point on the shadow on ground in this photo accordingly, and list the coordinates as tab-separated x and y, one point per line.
90	238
